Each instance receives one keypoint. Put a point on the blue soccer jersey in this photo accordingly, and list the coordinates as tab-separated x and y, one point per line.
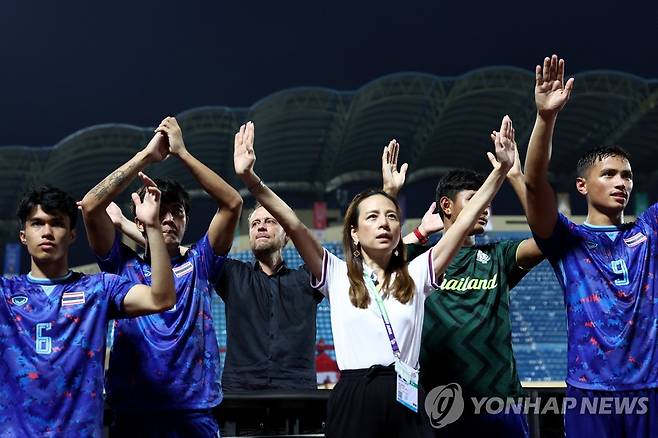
168	360
52	341
608	275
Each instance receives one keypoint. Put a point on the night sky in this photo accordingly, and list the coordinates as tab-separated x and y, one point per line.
70	64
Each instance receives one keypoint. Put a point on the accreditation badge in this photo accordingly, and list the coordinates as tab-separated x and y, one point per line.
407	390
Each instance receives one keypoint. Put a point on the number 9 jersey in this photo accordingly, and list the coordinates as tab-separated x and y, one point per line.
608	275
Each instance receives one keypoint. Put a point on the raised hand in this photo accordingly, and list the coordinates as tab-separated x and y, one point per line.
171	130
148	210
115	213
158	148
244	156
516	171
431	221
393	178
551	93
505	151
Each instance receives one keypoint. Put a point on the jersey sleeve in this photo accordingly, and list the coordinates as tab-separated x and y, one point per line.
650	217
332	267
114	261
223	284
507	251
211	262
559	241
116	289
421	269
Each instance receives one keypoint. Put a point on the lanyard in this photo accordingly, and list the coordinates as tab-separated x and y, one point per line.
382	310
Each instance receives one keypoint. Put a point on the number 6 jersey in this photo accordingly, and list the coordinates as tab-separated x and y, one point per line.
608	275
52	342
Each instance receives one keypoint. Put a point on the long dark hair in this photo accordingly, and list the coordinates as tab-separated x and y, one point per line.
403	285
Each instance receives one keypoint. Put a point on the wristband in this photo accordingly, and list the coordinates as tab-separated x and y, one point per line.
422	239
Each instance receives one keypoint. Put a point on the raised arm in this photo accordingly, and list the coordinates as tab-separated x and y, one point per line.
244	159
161	295
125	225
229	203
551	94
430	223
392	177
528	253
453	238
100	230
515	175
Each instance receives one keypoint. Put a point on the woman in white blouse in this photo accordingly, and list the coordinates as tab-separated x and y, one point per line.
376	297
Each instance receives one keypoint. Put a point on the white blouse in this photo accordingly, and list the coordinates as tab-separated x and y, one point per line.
360	338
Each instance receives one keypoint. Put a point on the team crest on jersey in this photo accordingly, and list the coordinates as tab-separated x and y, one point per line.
482	257
147	271
183	269
73	298
635	240
19	300
591	244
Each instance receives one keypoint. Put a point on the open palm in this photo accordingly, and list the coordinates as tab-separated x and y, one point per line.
504	144
392	176
244	156
551	92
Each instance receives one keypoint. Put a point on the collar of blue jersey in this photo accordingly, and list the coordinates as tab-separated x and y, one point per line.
55	280
619	227
146	257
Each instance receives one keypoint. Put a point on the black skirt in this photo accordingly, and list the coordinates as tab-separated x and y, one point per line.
363	404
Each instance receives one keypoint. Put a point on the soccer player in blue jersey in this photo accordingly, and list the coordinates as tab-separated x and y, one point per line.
53	322
607	269
164	374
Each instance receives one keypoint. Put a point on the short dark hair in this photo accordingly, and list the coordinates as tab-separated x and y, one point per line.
456	181
51	199
598	154
172	193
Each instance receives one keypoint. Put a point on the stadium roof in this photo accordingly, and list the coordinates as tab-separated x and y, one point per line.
316	139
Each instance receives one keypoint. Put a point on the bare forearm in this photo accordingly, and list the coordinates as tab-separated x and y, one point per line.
307	245
98	198
541	209
272	202
224	195
163	293
480	200
454	237
410	239
130	230
539	151
518	184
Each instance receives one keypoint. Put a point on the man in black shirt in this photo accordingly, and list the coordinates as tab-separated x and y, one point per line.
270	310
270	315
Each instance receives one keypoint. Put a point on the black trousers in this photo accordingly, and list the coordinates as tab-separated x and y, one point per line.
363	405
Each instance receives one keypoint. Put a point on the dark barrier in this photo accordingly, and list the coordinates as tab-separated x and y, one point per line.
274	413
302	413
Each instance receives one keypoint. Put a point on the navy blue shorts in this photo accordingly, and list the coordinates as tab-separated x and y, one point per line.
165	424
603	414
